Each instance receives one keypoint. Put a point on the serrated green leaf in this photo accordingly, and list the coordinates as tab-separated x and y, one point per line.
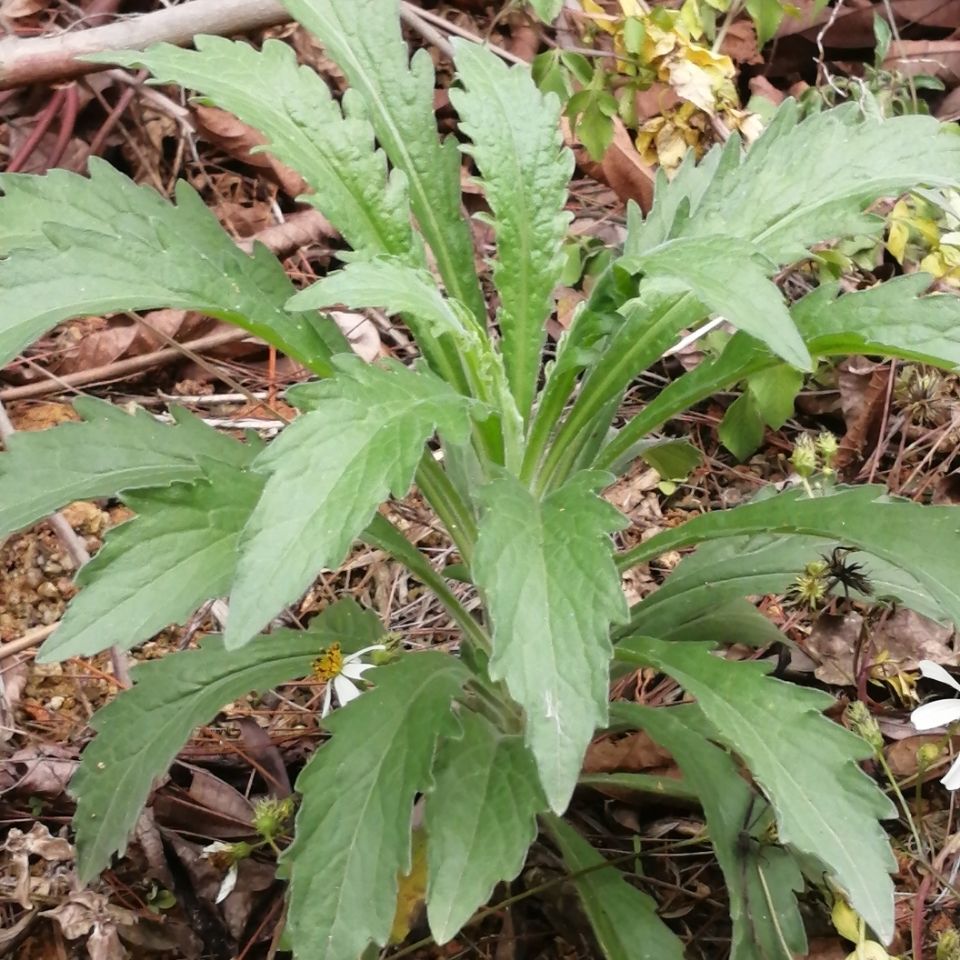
546	572
363	37
387	283
328	472
480	820
143	728
547	10
921	540
741	429
353	827
725	276
889	320
826	806
103	244
761	928
111	451
721	570
525	170
623	918
305	128
156	569
804	181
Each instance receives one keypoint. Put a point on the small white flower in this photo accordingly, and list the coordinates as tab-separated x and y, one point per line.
939	713
219	852
341	674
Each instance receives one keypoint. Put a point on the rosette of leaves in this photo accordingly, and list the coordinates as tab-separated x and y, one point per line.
510	452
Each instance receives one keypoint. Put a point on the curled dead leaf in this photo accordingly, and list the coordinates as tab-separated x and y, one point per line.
239	140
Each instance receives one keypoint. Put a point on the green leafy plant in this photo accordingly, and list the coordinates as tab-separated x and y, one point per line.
511	453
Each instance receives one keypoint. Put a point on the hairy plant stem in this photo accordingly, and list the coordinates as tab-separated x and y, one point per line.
552	403
450	507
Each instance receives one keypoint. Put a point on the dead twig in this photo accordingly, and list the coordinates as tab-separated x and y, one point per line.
32	638
45	59
299	230
121	368
57	58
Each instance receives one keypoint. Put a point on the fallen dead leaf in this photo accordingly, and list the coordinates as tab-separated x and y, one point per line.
42	416
904	639
238	139
826	948
863	392
853	23
633	753
25	885
122	337
902	754
622	168
760	86
92	915
42	770
935	58
740	43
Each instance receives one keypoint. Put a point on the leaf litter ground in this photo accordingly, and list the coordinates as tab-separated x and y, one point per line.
888	431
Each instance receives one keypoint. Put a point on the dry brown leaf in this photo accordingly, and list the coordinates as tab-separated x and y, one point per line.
832	642
760	86
826	948
622	168
633	753
208	790
568	300
29	885
92	915
12	684
42	770
237	139
265	756
904	639
122	337
935	58
853	23
305	228
863	393
740	43
902	754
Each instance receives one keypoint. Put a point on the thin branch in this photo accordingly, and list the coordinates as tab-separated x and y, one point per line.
122	368
44	59
55	58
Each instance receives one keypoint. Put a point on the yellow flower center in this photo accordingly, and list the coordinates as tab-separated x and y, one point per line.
329	664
